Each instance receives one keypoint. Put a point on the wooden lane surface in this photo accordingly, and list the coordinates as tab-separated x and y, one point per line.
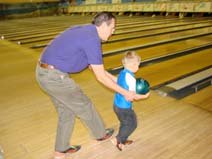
130	27
131	33
17	94
167	128
132	43
165	29
163	72
138	20
201	99
11	30
7	27
114	61
13	66
41	29
30	29
160	24
51	38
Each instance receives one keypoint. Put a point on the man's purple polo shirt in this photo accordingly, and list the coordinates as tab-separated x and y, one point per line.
74	49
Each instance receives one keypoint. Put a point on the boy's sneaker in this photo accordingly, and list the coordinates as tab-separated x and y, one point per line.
109	133
118	145
128	142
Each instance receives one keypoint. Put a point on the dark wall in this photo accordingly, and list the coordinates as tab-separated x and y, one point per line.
8	11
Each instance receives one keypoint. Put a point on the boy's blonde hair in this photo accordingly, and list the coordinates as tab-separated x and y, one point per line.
130	57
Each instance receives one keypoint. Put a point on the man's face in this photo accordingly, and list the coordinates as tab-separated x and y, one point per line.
107	30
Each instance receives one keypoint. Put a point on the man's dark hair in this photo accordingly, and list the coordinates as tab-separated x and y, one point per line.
101	17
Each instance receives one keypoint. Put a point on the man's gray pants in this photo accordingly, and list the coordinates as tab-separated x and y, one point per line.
70	102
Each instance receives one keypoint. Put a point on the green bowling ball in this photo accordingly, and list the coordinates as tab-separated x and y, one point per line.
142	86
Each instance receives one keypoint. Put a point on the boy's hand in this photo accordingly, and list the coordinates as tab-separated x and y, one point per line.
141	96
130	96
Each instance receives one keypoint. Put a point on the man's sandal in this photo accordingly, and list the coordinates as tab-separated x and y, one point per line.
70	150
109	133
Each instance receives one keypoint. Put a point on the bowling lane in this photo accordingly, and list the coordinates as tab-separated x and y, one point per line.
161	24
130	35
131	32
163	72
36	29
166	28
29	25
202	99
40	22
162	50
42	30
39	32
125	27
138	42
13	27
45	36
140	19
43	25
134	44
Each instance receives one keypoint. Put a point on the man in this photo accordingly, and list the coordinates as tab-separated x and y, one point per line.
71	52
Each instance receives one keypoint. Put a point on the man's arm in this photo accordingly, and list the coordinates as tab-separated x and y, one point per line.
110	81
112	77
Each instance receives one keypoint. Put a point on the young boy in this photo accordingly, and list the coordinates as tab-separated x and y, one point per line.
122	107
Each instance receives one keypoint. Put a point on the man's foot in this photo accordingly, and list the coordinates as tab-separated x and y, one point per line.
109	133
70	150
118	145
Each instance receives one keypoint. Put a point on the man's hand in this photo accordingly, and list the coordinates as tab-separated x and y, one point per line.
110	81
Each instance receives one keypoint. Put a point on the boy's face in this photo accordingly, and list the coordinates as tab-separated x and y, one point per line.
133	66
